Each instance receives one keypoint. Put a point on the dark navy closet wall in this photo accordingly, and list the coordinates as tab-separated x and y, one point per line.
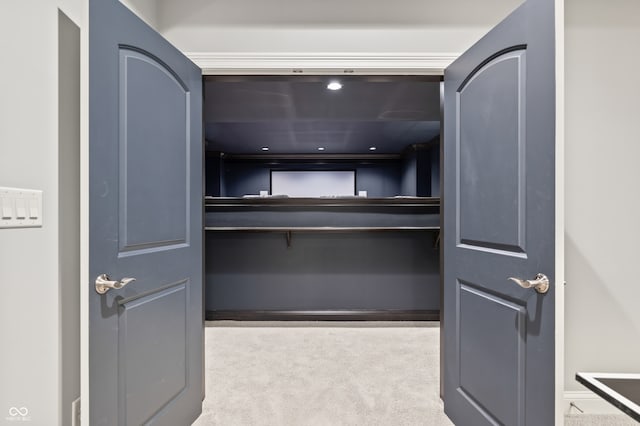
324	271
213	184
420	172
434	170
379	179
408	182
393	270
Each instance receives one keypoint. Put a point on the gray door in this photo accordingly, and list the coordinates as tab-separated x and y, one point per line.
499	206
145	182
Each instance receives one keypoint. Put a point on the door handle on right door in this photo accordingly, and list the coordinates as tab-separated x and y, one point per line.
540	283
104	283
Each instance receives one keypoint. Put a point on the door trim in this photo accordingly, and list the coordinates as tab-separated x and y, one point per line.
559	213
218	63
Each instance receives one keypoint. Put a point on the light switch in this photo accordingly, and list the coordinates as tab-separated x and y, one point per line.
7	208
33	208
21	211
20	208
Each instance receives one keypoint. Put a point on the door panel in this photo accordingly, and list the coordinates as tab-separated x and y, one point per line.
145	218
499	156
490	109
155	117
163	341
484	357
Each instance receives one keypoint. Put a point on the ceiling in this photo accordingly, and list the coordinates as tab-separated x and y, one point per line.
298	115
331	13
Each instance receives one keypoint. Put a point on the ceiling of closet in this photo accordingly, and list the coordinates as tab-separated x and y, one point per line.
300	115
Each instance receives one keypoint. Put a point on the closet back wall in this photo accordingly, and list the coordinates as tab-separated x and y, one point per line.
390	270
379	179
249	272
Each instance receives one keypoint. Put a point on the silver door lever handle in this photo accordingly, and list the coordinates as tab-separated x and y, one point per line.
104	283
540	283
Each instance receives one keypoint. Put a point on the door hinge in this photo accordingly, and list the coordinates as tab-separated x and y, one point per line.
75	412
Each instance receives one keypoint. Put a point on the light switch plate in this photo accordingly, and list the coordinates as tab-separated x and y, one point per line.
21	208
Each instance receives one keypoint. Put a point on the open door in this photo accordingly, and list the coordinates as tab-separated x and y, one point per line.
145	218
499	222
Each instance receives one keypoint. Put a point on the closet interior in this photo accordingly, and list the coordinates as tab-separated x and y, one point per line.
322	197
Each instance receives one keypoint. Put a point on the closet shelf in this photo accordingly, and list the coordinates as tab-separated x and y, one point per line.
276	201
322	214
320	228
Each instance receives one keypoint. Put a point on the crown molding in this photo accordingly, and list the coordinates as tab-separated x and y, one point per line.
215	63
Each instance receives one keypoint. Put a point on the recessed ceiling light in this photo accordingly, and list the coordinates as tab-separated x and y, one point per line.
334	85
265	148
320	148
372	148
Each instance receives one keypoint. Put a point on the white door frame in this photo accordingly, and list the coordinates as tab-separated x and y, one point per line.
321	63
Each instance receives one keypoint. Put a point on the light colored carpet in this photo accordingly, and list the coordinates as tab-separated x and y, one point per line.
330	374
322	374
599	420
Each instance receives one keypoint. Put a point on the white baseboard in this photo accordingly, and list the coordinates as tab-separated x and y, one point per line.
588	402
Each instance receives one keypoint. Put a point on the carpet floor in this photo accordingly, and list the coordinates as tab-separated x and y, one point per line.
322	374
599	420
329	374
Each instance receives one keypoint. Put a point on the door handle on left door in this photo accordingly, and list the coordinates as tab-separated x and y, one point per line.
540	283
104	283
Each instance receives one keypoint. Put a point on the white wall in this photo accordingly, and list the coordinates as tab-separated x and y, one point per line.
602	195
147	10
29	269
330	26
